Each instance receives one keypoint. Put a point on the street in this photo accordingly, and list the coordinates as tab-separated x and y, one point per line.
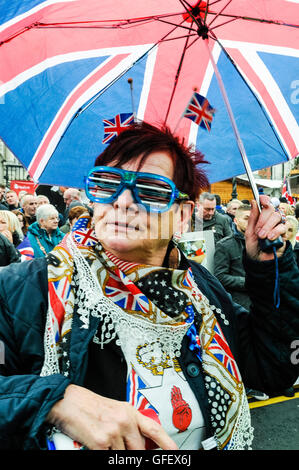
276	423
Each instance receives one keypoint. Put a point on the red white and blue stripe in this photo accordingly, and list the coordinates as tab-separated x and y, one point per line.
134	392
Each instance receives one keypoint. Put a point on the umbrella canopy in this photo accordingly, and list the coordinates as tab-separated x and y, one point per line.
65	67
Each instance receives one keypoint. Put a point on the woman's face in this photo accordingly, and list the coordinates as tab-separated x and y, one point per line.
289	233
127	230
3	224
21	220
50	224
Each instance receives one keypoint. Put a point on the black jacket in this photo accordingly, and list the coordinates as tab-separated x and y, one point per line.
8	253
261	342
219	224
229	269
296	253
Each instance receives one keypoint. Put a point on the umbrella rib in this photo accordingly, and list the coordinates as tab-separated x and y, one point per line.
220	12
252	92
177	77
224	23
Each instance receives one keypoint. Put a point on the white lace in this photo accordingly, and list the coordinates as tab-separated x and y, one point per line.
243	431
116	322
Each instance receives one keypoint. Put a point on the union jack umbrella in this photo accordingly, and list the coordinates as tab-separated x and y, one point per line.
66	65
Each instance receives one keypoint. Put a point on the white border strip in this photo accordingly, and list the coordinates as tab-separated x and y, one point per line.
33	10
69	57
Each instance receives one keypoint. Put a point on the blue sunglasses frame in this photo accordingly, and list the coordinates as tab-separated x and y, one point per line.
128	181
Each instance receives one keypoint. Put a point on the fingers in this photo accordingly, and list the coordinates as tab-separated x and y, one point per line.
267	223
155	432
101	423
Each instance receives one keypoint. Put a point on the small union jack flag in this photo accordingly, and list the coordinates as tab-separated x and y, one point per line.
134	385
200	111
113	127
286	192
126	296
82	234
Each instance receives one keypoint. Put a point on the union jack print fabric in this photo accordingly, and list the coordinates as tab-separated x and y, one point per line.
114	126
200	111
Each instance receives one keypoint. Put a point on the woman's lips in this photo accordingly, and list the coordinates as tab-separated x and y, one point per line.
123	226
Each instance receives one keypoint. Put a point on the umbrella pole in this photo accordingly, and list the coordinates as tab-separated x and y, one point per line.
235	128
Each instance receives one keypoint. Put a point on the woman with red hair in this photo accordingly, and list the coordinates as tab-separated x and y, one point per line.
134	346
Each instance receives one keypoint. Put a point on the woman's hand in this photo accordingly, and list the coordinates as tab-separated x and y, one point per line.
100	423
264	224
8	235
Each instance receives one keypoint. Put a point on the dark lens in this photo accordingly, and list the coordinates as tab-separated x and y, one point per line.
154	192
103	184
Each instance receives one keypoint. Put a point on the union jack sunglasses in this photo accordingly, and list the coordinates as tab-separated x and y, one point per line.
156	193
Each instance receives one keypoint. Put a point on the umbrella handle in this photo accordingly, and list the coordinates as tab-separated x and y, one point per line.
267	245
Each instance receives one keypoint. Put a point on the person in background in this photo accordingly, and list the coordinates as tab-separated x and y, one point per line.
286	208
207	218
10	227
12	200
22	219
228	258
74	214
219	207
2	193
29	205
71	197
292	225
44	234
41	199
3	203
231	209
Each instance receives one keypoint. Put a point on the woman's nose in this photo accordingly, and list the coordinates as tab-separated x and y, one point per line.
125	201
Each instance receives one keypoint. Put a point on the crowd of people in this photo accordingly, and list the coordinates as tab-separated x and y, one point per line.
116	340
31	224
40	221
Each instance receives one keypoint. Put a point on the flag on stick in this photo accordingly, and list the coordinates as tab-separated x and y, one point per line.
286	192
113	127
200	111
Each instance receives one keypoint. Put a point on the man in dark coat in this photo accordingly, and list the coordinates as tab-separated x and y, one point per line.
207	218
228	259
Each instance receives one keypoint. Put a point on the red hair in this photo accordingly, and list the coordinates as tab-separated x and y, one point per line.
143	139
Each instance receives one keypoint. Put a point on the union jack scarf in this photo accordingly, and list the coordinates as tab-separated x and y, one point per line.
152	295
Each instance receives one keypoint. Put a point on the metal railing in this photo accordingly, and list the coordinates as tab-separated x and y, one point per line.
12	171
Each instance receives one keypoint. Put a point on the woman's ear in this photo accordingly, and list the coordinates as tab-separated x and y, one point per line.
187	208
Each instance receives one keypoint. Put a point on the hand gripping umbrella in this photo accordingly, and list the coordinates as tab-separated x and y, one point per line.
65	67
